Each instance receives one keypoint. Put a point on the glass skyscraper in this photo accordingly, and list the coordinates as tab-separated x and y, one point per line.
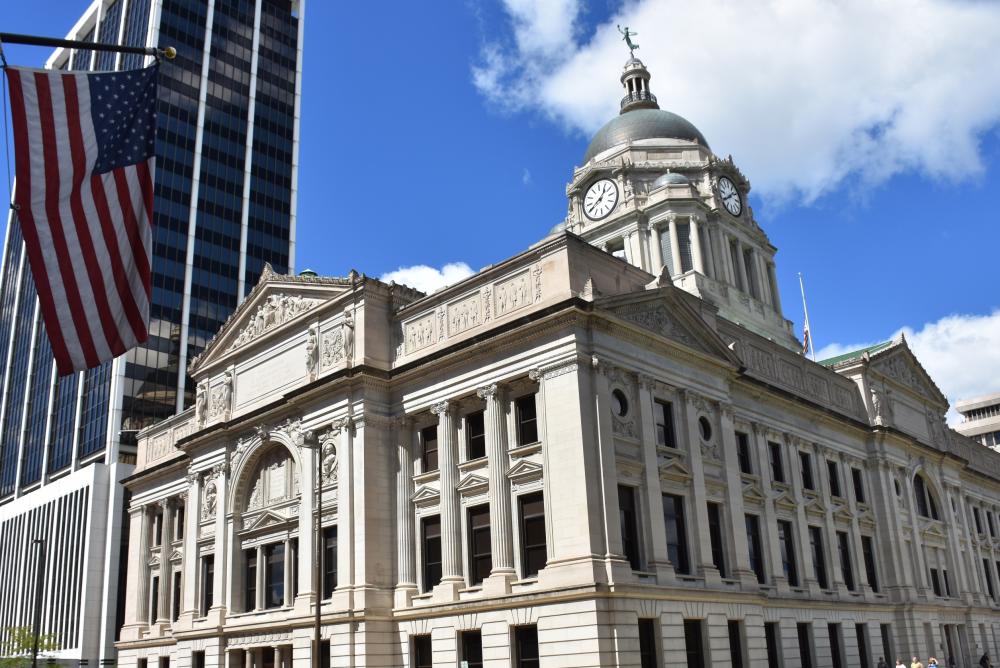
224	206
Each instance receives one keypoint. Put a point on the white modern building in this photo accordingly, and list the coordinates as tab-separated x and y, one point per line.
606	450
224	206
980	419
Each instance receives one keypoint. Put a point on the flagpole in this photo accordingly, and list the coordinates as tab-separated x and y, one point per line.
168	52
807	329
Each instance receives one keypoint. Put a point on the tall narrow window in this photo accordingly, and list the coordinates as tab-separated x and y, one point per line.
480	554
329	560
834	475
179	522
989	522
694	644
431	529
207	583
198	659
250	580
676	530
844	547
947	583
734	257
684	242
886	633
989	580
736	643
429	442
715	535
157	528
748	260
786	543
533	547
472	649
664	416
859	485
526	646
868	549
836	645
475	435
975	516
527	420
926	506
935	582
772	639
864	653
819	560
777	466
754	547
423	656
154	599
804	630
805	462
629	525
648	656
274	575
176	597
743	452
772	283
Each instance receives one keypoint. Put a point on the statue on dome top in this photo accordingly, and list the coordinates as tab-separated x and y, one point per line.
627	35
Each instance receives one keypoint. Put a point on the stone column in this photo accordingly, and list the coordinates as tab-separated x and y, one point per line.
702	558
977	591
501	531
770	520
857	550
808	564
655	250
406	580
889	545
734	499
697	260
660	562
190	579
452	578
742	268
166	575
345	508
616	565
224	558
137	599
917	545
675	247
830	544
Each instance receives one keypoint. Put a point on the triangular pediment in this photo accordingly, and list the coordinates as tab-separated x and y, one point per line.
814	505
472	483
264	520
673	467
425	496
784	500
752	492
899	364
524	470
274	305
843	513
664	311
176	555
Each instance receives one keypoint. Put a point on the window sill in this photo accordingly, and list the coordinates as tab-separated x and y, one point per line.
426	476
472	464
525	450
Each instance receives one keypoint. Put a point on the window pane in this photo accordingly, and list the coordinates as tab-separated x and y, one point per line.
664	415
533	547
274	556
472	649
526	646
648	656
432	552
629	525
480	556
527	423
428	438
676	530
250	580
422	654
329	561
475	429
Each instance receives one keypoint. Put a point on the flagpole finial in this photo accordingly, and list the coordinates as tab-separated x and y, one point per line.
169	53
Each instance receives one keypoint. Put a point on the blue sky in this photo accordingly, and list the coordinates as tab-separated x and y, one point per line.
445	132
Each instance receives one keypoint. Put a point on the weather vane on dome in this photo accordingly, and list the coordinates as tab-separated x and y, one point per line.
627	35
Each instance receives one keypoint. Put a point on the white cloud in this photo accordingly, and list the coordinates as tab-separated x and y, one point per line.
803	93
428	279
526	176
960	352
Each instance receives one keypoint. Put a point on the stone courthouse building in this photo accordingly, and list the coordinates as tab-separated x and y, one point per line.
607	450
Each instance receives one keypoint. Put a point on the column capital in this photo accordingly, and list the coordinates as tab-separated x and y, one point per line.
491	391
443	408
646	382
671	217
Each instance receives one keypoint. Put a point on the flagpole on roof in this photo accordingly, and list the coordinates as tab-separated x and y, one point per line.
807	343
167	52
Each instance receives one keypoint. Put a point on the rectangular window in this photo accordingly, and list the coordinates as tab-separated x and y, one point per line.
207	583
989	521
480	554
157	528
175	597
533	547
274	575
846	567
527	420
743	452
324	654
293	561
154	599
836	645
694	644
868	549
834	475
676	529
748	262
886	633
989	580
772	638
998	573
864	653
786	543
179	522
819	561
777	466
754	547
526	646
164	662
734	257
198	659
736	643
143	663
648	656
664	416
250	580
975	516
429	442
715	534
423	657
935	582
946	582
805	463
475	435
630	526
804	631
859	485
431	531
329	561
472	649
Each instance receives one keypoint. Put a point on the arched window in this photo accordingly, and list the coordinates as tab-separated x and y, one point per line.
926	505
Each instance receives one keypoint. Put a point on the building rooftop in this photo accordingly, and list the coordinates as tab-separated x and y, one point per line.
855	354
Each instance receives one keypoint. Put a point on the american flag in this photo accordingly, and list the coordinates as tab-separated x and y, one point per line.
84	144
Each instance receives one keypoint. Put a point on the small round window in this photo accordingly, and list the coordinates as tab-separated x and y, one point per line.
706	428
619	403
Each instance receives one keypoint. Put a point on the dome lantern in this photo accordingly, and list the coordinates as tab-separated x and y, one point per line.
635	79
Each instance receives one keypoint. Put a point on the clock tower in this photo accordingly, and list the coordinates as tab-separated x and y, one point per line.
651	192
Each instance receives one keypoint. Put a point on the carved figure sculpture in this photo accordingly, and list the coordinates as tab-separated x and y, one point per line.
201	403
312	352
211	496
878	407
348	335
328	465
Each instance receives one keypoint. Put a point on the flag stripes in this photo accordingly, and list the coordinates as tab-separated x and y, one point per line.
88	235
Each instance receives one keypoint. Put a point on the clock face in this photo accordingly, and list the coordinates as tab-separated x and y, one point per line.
600	199
730	196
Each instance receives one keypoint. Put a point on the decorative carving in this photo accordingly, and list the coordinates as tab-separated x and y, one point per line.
276	310
935	425
659	320
464	314
440	408
486	303
348	329
201	403
623	426
210	496
332	349
880	411
419	333
312	352
440	318
488	391
328	463
537	273
555	371
222	395
512	294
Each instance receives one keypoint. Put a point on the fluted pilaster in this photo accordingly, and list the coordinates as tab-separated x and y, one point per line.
451	551
501	535
406	568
